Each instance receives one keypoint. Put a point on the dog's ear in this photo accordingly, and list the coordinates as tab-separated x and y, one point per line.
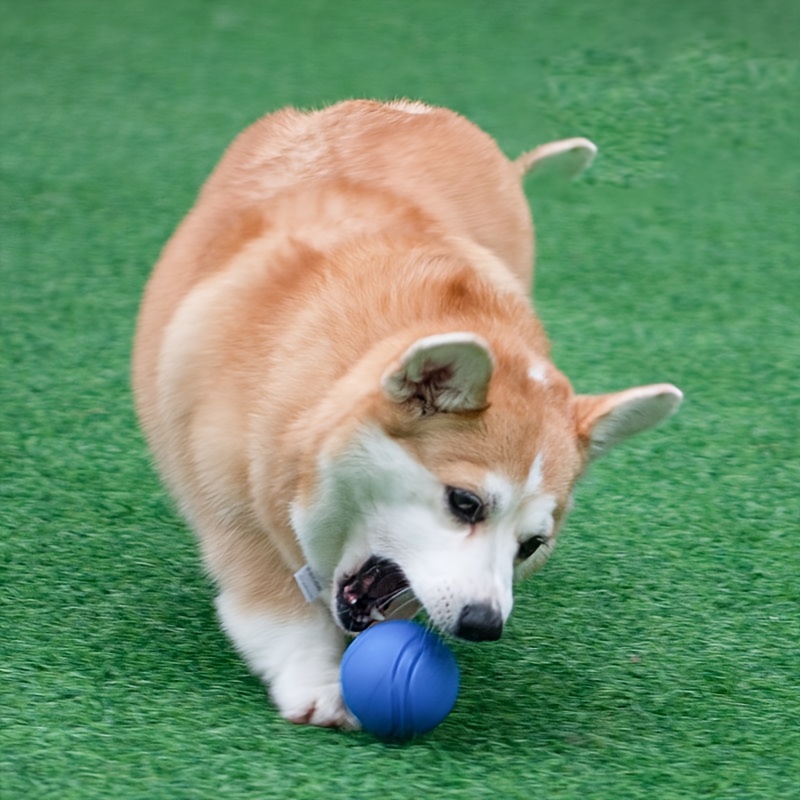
604	420
565	158
448	372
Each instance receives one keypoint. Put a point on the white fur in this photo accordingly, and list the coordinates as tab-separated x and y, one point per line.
535	475
536	518
538	372
410	106
531	511
297	657
378	500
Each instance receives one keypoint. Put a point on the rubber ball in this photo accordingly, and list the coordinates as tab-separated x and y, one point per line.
399	680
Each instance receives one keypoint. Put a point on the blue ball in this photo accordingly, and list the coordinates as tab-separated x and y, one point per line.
399	680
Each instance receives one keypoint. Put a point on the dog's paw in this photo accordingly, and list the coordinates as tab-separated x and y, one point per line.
298	660
312	704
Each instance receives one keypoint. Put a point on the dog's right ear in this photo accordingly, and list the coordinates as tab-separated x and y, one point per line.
447	372
565	158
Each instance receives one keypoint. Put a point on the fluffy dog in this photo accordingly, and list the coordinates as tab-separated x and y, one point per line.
344	385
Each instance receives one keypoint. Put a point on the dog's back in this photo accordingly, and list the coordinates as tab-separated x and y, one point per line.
316	179
431	158
323	175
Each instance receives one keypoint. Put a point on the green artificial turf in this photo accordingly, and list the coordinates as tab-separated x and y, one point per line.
657	655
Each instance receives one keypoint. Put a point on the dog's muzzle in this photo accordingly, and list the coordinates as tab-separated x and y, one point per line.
364	597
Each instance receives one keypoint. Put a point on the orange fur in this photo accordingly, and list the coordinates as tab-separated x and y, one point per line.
322	246
374	185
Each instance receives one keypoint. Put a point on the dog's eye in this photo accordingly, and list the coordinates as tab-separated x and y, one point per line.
529	547
466	505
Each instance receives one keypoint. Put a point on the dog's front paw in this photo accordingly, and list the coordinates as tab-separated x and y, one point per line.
298	660
311	703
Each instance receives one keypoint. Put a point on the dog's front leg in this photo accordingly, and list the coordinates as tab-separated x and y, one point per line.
296	653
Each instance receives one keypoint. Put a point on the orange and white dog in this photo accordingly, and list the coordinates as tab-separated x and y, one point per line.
341	377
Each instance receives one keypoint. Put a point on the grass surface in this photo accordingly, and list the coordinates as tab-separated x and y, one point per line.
657	654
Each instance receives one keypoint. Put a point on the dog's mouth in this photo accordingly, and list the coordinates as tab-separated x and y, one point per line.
365	597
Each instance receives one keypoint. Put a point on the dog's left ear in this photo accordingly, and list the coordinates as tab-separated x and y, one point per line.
603	421
448	372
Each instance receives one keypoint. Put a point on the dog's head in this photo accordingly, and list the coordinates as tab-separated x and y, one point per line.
454	479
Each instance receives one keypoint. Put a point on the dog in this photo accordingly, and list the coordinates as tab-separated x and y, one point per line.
344	385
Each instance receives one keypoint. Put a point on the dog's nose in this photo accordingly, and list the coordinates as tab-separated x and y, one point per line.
479	623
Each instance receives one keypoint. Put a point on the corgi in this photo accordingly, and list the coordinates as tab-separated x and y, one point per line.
344	385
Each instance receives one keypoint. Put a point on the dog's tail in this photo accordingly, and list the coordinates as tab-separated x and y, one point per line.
566	158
